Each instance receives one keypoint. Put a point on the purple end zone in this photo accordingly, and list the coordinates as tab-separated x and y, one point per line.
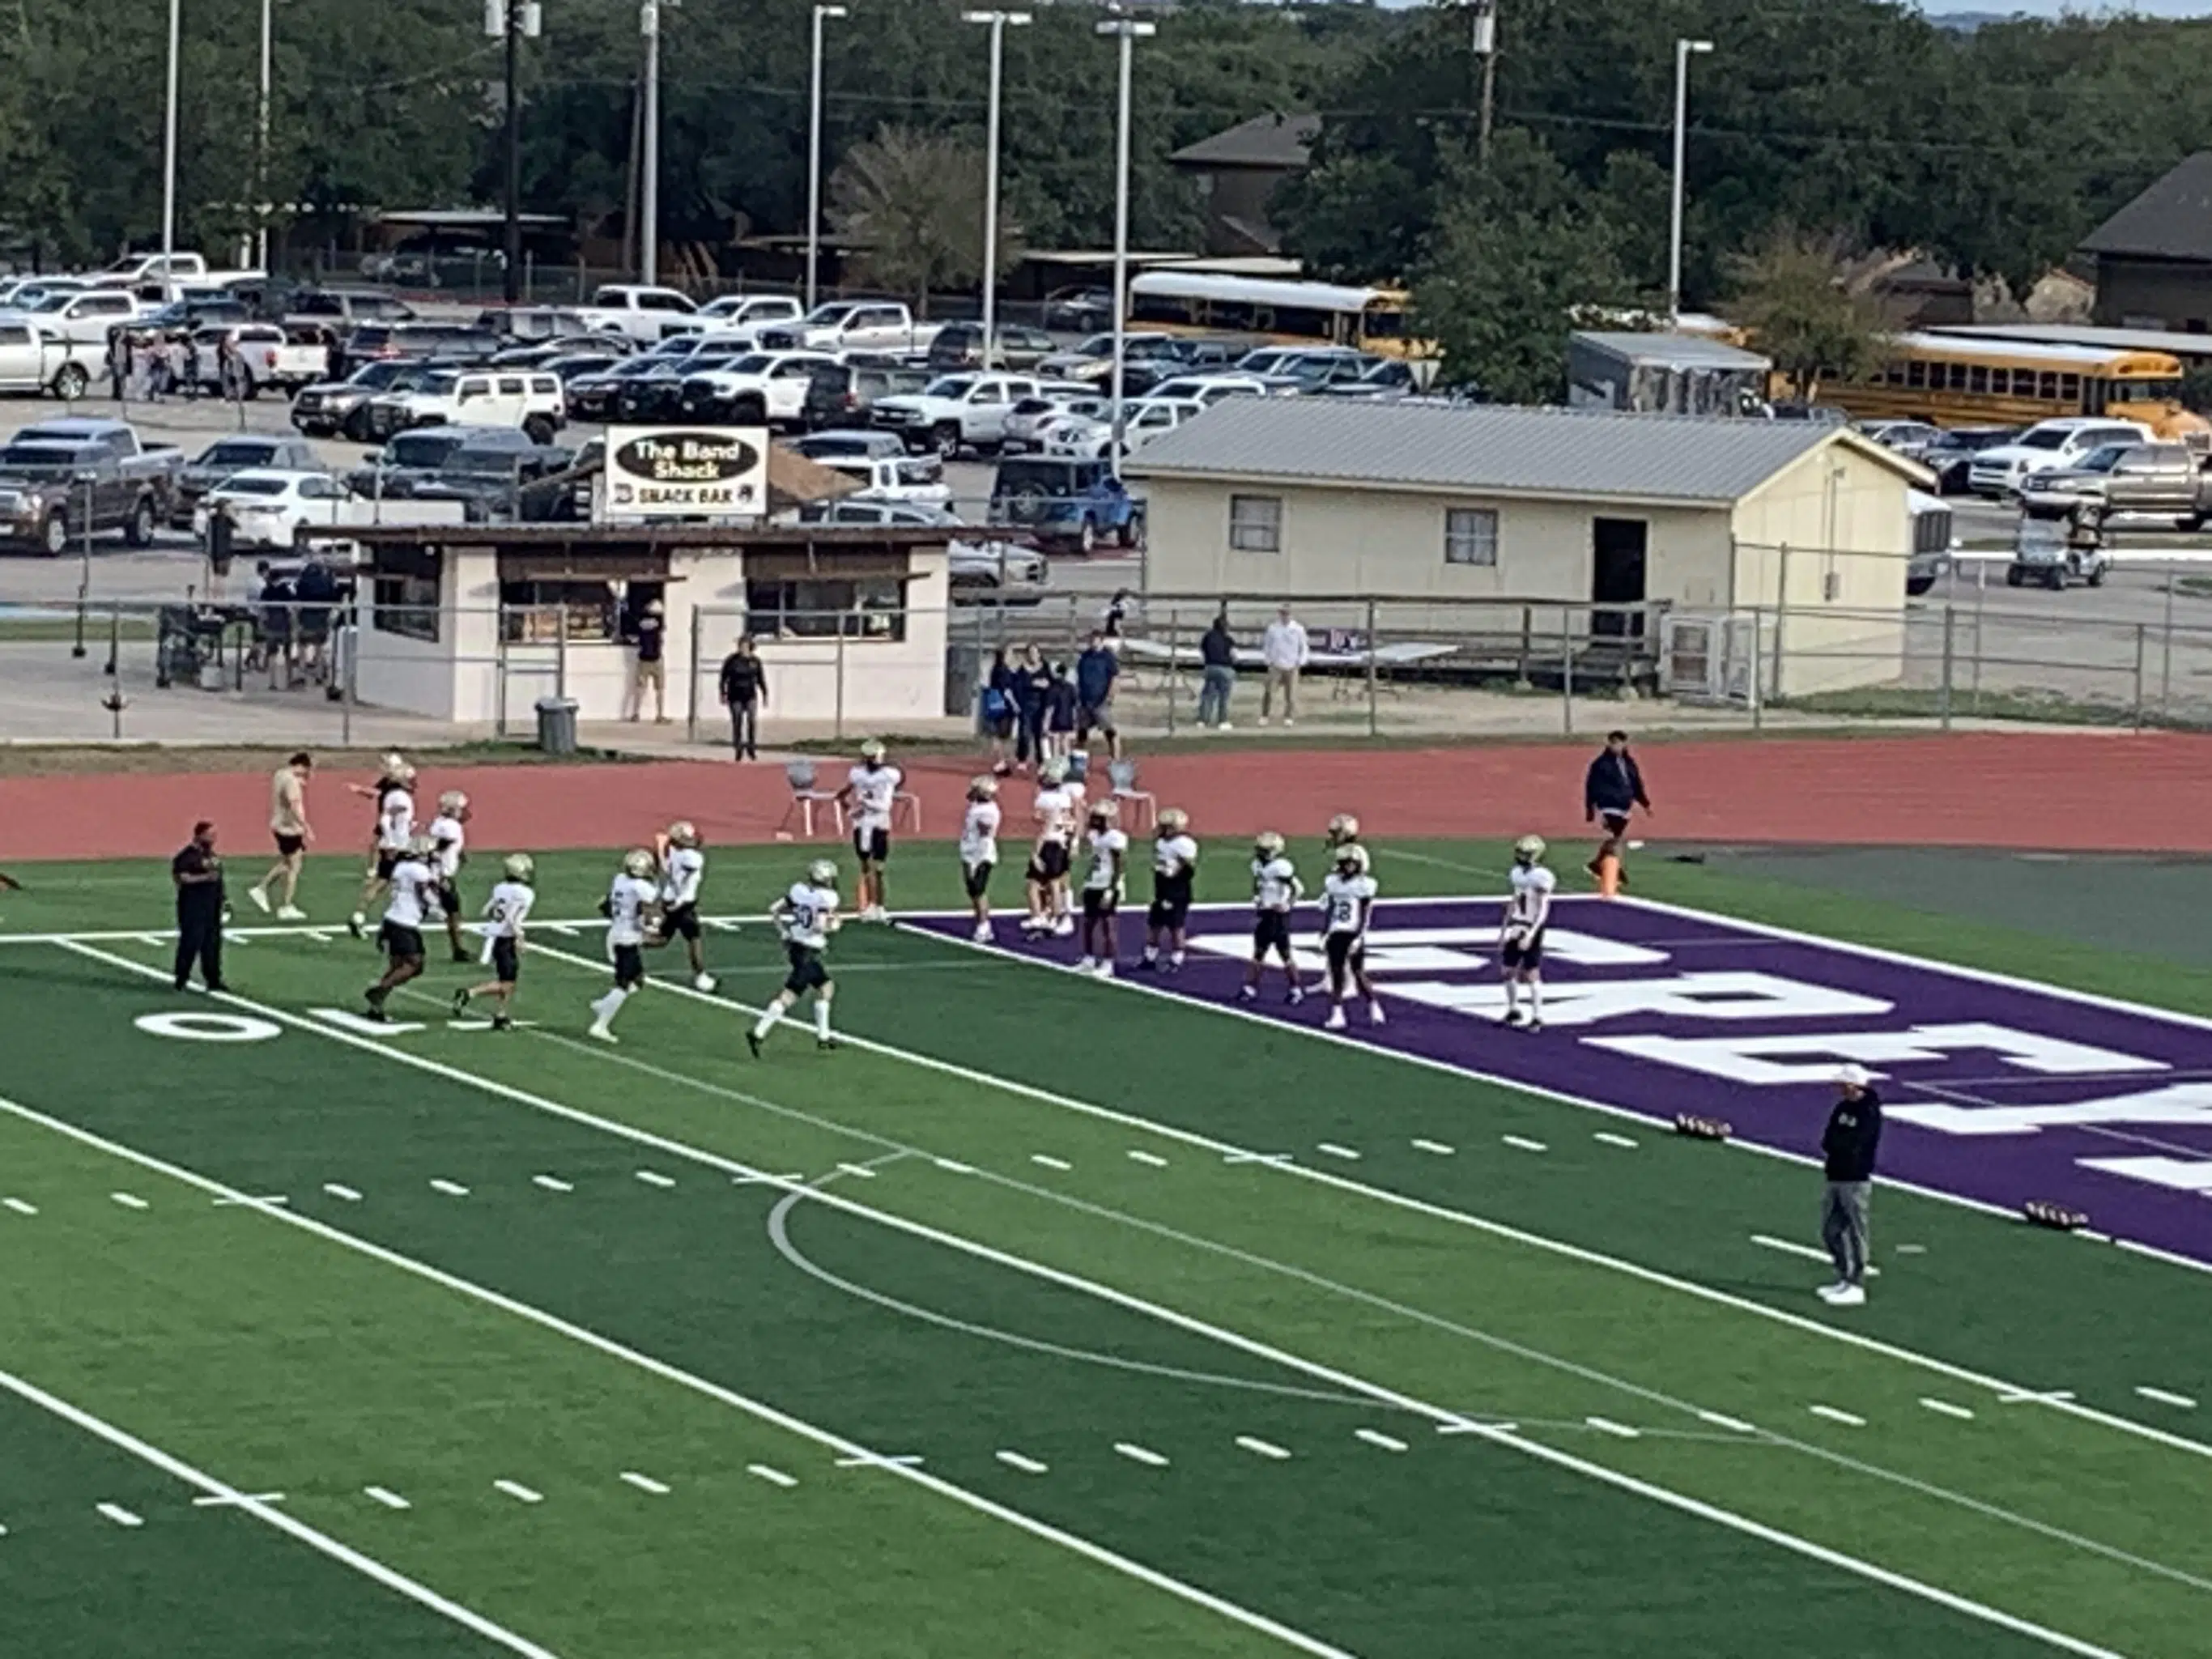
1996	1091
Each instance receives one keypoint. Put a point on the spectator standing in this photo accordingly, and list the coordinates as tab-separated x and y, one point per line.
1612	789
1032	688
1286	651
196	873
1060	704
1217	650
1117	616
276	599
118	363
1095	673
652	668
744	689
999	710
188	366
1847	1154
316	591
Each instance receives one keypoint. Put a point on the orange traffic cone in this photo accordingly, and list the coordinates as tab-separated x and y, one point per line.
1608	875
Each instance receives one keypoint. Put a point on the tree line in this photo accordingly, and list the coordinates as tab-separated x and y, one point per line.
1846	123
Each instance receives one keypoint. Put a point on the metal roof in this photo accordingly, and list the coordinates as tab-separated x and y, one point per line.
2171	220
1677	350
1274	142
1492	449
2174	342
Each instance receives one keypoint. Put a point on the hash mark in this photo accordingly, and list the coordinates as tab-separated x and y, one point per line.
1136	1453
862	1170
773	1476
1335	1151
655	1178
1607	1425
1613	1139
1252	1442
2166	1397
118	1514
1050	1162
517	1491
1376	1438
1149	1160
1524	1143
451	1188
1945	1408
1835	1416
346	1193
645	1483
1436	1146
553	1184
19	1207
389	1498
129	1200
1014	1460
1733	1424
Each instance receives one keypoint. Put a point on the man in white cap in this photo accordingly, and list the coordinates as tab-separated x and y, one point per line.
1847	1150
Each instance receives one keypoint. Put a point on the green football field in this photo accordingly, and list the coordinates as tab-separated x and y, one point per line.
989	1334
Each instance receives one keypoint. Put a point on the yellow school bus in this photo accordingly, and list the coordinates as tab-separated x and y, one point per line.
1283	312
1952	381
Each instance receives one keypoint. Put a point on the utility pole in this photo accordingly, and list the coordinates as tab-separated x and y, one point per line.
821	14
1485	42
510	22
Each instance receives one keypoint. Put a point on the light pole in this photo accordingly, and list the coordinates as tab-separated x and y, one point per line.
648	258
821	14
1129	31
1484	40
512	21
997	21
169	152
261	139
1683	51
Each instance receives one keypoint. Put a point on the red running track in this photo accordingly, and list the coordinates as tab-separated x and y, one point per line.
2062	791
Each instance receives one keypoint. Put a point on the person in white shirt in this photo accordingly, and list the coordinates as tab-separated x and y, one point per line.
1174	866
413	882
288	824
979	851
449	840
1055	809
631	907
1284	651
1347	896
1521	939
505	912
683	868
871	791
805	916
1103	884
395	828
1276	890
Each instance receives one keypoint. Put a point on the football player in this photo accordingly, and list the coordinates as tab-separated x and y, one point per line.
449	842
395	828
1054	810
1521	939
807	916
631	907
871	791
1347	896
979	850
410	881
1276	890
683	868
1343	831
1102	884
505	912
1174	865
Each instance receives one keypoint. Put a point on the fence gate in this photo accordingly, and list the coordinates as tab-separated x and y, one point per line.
1707	658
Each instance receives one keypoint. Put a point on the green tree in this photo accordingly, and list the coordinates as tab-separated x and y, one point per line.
911	204
1518	253
1792	300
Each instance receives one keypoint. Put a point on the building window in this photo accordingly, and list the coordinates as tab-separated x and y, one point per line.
532	611
1471	535
404	592
869	608
1255	524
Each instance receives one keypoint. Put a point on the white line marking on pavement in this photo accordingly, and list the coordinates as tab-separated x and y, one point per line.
1149	1160
1613	1139
1252	1442
860	1170
775	1477
1733	1424
19	1207
880	1460
1014	1460
1835	1416
129	1200
1524	1143
1388	1443
248	1203
1607	1425
222	1500
518	1492
2166	1397
1335	1151
451	1188
1136	1453
1050	1162
645	1483
655	1178
1945	1408
338	1191
1283	1160
1436	1146
1790	1247
553	1184
953	1167
118	1514
389	1498
2028	1397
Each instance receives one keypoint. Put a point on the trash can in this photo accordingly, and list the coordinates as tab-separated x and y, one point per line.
556	725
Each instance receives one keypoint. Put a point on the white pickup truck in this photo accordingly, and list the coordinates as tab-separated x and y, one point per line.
33	358
766	388
853	325
955	412
269	357
82	318
643	312
738	318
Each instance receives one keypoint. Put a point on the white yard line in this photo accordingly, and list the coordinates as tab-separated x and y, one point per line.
1790	1247
267	1514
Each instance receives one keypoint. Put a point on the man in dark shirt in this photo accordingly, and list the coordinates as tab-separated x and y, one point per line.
1847	1152
197	874
1095	672
1217	650
1612	788
652	670
743	693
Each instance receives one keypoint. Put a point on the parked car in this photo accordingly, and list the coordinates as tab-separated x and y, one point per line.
265	507
746	314
1316	371
343	307
1031	422
415	459
1079	310
569	367
1935	544
269	357
2161	480
763	388
959	412
852	326
430	342
1910	439
843	393
1211	389
34	358
1067	502
2047	446
1004	569
329	408
895	478
82	318
1950	454
1093	359
848	446
592	395
489	473
1142	421
224	458
61	477
960	345
464	396
665	394
642	312
1384	379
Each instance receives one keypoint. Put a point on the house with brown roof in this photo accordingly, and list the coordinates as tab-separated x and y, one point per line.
1237	173
2155	256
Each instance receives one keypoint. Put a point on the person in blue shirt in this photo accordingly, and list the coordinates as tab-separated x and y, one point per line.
999	710
1060	710
1095	672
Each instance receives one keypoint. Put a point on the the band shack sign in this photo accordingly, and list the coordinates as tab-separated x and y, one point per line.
686	473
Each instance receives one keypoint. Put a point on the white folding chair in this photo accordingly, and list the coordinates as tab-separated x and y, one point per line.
1138	803
806	796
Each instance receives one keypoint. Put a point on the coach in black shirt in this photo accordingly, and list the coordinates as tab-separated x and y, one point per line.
197	874
1847	1152
743	687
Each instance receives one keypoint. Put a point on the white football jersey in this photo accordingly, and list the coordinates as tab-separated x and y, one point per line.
1530	905
680	876
1055	815
411	882
1343	901
395	821
452	838
1275	884
979	833
807	910
627	900
507	908
1109	850
874	789
1174	856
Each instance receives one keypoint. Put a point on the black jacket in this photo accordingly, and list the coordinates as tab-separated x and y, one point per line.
744	679
1613	784
1218	649
1854	1131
